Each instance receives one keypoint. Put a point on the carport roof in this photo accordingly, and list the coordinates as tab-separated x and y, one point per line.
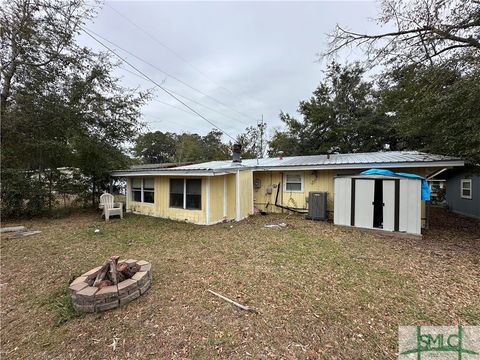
383	159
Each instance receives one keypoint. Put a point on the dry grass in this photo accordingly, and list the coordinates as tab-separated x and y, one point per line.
323	291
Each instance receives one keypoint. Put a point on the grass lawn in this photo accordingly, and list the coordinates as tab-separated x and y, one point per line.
322	291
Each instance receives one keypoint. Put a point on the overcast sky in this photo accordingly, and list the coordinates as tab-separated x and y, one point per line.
245	58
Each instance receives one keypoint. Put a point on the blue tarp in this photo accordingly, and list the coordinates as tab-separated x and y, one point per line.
425	187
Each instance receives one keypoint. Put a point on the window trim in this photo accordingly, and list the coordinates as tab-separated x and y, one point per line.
184	207
302	182
142	190
466	181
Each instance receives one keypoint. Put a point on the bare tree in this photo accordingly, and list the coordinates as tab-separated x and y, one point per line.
422	32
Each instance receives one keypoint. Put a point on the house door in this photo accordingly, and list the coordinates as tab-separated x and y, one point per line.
364	196
388	205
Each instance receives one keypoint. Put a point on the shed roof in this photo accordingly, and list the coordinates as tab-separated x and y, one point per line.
384	159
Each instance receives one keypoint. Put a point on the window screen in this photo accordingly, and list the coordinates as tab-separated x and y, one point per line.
137	189
293	182
176	193
194	194
148	190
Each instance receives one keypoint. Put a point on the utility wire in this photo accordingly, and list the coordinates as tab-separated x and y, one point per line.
164	45
184	97
168	74
157	84
155	39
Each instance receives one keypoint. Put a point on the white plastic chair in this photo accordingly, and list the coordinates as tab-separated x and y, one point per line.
109	207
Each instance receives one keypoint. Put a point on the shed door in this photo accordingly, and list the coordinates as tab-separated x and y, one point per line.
388	205
342	198
364	193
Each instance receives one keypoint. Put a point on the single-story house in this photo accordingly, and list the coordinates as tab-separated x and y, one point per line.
211	192
463	191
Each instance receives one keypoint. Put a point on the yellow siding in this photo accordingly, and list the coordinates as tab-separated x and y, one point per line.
162	209
216	198
246	193
231	196
320	180
263	197
161	206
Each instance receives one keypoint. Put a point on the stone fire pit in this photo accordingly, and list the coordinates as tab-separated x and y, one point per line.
104	295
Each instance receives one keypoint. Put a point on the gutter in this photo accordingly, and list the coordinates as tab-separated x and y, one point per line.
170	173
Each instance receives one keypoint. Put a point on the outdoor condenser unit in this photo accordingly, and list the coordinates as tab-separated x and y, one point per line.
317	205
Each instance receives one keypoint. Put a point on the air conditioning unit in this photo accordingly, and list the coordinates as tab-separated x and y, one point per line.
317	205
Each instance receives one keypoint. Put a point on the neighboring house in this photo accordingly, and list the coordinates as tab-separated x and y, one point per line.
215	191
463	192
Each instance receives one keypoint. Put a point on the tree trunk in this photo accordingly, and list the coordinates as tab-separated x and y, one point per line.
50	186
93	191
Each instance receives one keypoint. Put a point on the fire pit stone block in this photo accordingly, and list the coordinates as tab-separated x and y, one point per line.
130	261
126	298
74	288
147	267
106	306
89	307
107	294
145	287
141	277
80	280
127	286
87	293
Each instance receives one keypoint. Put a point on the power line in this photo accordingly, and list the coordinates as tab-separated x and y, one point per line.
178	55
164	45
158	85
168	74
185	97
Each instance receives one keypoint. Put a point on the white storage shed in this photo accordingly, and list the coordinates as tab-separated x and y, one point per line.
378	202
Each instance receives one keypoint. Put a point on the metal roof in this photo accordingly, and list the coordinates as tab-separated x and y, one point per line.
333	161
156	166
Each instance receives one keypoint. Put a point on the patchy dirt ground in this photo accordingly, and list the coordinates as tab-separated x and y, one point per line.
322	291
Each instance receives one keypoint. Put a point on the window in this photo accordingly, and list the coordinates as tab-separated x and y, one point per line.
143	190
466	188
136	189
293	182
194	194
148	190
186	193
176	193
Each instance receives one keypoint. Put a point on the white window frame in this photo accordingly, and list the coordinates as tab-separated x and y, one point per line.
142	180
184	207
466	181
302	182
